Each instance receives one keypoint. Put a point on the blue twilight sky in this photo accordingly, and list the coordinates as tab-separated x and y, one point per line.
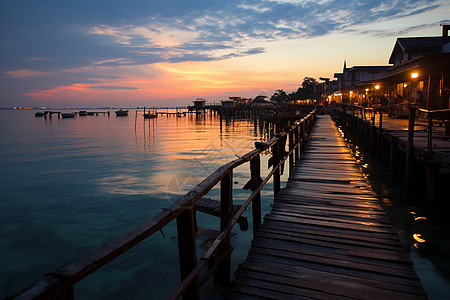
167	53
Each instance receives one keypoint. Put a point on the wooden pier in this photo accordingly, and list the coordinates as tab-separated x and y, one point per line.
326	236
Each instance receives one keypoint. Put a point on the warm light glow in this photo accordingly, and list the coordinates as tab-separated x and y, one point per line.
377	87
418	238
414	75
367	90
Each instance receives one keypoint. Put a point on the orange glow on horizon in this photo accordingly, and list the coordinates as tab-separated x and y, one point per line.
169	80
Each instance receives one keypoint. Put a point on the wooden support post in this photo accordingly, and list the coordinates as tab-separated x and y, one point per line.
372	134
380	124
410	150
187	251
297	140
56	294
291	156
302	138
430	138
223	274
255	170
431	167
276	175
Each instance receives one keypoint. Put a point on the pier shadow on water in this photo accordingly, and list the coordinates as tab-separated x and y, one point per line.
423	227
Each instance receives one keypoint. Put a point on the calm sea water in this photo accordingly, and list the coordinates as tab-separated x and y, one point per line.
71	185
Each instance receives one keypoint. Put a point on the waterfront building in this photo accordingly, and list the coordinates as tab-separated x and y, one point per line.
358	84
421	71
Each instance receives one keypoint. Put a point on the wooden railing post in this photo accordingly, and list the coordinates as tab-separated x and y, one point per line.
223	274
302	137
291	146
296	141
276	175
58	293
187	251
255	170
431	167
380	124
410	149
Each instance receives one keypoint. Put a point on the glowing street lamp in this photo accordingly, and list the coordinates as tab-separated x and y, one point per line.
377	87
414	75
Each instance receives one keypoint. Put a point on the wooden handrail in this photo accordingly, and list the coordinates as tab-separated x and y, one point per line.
59	284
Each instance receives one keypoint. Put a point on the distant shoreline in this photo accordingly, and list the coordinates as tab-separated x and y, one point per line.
81	108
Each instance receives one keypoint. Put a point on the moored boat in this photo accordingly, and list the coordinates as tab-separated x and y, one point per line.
150	114
39	114
121	112
68	115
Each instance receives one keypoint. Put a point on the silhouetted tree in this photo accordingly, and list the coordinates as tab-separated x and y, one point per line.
309	89
279	97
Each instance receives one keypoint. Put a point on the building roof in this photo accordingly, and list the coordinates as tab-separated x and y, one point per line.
417	45
373	68
426	64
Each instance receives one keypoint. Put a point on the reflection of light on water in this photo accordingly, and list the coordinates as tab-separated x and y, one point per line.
418	237
387	201
125	185
420	219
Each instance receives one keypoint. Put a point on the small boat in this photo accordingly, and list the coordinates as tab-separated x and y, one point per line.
39	114
82	113
150	116
121	112
68	115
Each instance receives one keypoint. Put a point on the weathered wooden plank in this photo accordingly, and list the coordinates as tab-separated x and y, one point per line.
310	266
253	289
367	228
330	218
351	209
366	250
337	240
306	276
331	257
379	218
387	237
331	290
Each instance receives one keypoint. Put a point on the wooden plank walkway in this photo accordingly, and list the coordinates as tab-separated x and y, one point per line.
326	236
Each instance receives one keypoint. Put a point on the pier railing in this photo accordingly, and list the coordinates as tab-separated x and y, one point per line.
59	283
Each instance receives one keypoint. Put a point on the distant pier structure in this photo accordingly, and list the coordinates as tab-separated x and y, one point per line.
198	106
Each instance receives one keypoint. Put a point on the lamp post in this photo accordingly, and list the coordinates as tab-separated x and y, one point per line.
414	75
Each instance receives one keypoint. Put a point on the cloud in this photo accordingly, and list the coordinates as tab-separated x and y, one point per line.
99	87
233	29
25	73
148	32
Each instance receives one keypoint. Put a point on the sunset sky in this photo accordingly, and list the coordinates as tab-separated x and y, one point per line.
93	53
